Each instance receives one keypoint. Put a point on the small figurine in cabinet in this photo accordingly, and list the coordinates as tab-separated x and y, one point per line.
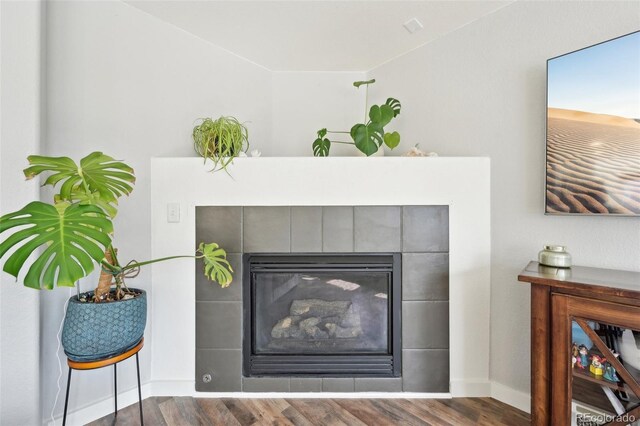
575	356
597	365
610	371
582	349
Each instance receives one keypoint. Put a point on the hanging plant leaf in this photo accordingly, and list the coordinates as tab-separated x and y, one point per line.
367	138
395	106
216	266
73	237
382	114
98	174
392	139
321	147
360	83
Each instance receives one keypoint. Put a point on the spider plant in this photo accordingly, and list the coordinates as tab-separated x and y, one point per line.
220	140
74	233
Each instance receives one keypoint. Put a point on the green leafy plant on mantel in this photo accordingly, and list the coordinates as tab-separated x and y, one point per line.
369	135
74	233
220	140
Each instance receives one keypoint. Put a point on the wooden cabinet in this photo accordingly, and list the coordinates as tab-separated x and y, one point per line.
599	306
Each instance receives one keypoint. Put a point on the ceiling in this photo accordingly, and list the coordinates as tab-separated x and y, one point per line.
317	35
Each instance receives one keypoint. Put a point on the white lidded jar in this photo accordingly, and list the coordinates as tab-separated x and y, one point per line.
554	255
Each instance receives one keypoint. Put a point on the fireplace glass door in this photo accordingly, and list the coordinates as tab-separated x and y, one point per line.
322	314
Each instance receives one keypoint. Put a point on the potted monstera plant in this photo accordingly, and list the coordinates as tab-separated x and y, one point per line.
368	136
72	235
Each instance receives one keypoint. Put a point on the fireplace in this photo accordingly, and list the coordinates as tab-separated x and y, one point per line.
322	315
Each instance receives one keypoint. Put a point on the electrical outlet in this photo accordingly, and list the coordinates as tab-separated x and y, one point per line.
173	212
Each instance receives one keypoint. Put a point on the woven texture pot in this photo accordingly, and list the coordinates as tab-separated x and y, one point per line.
94	331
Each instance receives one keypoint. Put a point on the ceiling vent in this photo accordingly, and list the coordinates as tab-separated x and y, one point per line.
413	25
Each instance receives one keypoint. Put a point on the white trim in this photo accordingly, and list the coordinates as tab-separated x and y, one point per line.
101	408
325	395
477	388
515	398
470	388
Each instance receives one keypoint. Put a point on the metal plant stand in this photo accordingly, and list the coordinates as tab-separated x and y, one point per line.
92	365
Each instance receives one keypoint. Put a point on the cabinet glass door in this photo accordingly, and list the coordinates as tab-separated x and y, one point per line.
605	372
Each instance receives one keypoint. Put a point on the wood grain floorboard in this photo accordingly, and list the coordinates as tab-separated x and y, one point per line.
325	412
171	413
371	413
431	412
217	412
240	411
187	411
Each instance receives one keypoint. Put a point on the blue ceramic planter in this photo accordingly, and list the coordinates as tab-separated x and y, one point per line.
94	331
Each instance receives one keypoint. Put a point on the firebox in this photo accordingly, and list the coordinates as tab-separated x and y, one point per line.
322	315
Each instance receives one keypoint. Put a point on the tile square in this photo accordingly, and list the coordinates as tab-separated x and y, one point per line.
265	384
377	229
207	290
221	225
218	325
425	370
425	325
306	384
372	384
267	230
425	276
306	229
337	229
425	228
338	385
224	367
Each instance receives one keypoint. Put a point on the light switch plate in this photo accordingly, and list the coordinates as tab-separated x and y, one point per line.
173	212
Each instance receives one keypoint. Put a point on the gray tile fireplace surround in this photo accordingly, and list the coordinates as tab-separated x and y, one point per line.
420	233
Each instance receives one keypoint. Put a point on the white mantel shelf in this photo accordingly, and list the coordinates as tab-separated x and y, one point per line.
463	183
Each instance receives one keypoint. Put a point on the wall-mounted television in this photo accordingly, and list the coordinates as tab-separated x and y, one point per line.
593	130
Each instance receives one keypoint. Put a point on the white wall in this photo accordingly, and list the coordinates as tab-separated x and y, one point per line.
124	82
304	102
20	96
131	85
481	91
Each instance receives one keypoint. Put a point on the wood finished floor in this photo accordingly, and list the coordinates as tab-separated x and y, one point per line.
179	411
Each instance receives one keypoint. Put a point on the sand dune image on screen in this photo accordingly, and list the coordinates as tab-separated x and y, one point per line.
593	163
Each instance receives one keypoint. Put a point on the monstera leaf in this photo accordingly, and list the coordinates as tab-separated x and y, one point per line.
392	139
321	145
73	237
99	179
216	266
367	138
395	106
382	114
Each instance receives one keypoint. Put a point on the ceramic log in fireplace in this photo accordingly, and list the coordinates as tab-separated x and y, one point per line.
322	315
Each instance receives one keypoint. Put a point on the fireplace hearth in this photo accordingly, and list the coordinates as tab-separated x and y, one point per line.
322	315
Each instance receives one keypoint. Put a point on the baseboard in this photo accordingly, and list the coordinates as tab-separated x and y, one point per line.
480	388
510	396
324	395
470	388
99	409
173	388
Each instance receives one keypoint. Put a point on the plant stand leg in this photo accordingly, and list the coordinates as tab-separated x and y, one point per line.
139	389
115	389
66	398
